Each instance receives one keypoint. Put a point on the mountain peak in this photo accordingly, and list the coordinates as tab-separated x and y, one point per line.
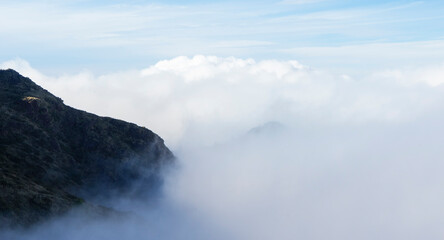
15	88
267	128
12	77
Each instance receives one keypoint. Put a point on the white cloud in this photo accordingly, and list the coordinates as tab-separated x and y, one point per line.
209	99
430	75
24	68
331	183
359	157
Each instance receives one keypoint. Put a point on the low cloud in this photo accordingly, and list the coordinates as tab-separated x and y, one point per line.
207	99
346	156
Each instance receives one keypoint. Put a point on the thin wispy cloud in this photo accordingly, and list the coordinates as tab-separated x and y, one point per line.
153	31
300	1
355	58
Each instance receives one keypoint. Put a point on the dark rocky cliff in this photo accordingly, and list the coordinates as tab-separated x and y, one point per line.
54	157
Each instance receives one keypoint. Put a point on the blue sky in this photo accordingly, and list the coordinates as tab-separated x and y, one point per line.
105	35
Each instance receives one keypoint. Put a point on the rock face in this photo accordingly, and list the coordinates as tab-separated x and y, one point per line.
54	157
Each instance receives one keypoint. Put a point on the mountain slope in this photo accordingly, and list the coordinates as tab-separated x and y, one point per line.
53	157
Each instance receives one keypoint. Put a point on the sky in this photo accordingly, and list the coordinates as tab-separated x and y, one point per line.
291	119
73	35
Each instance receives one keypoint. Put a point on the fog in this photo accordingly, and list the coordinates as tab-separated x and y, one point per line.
270	150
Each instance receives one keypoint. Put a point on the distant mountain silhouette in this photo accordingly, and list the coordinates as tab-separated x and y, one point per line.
272	127
54	157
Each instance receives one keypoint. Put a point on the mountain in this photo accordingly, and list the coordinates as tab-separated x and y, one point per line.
54	157
272	127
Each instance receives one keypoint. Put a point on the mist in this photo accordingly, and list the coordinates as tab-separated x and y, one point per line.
270	150
348	183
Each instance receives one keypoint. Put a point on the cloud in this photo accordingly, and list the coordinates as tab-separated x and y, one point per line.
241	44
298	2
334	183
354	156
210	99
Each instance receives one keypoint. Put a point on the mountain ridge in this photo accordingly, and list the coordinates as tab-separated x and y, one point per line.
54	157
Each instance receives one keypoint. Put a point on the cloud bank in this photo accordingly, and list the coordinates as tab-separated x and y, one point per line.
351	157
210	99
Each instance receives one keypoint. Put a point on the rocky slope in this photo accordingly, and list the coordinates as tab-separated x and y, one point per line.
54	157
